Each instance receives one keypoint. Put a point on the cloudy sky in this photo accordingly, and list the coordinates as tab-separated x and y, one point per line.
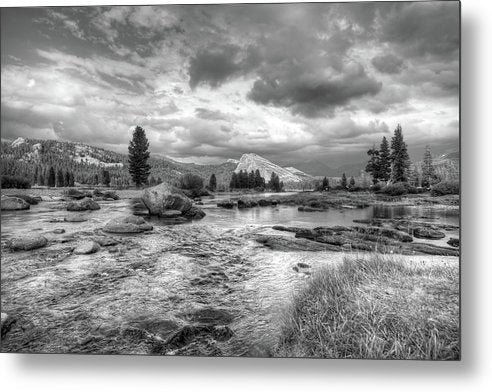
291	82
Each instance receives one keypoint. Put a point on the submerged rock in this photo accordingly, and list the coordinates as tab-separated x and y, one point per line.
164	197
226	204
454	242
14	203
75	218
283	243
209	316
83	205
127	225
195	213
309	209
87	248
28	242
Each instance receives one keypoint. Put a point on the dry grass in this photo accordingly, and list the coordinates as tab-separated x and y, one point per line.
378	307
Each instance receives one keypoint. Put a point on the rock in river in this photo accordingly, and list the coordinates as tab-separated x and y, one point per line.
83	205
164	197
226	204
28	242
14	203
127	225
86	248
171	214
428	233
30	199
454	242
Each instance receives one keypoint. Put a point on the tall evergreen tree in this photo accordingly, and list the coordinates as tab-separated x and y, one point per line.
352	182
384	172
212	183
105	178
51	177
274	184
259	180
138	154
400	160
325	184
71	181
428	172
372	166
66	178
251	180
60	179
344	181
233	184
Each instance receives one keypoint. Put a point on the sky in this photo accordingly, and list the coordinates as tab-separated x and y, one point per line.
290	82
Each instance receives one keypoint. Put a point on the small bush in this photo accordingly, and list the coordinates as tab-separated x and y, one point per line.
396	189
446	188
15	182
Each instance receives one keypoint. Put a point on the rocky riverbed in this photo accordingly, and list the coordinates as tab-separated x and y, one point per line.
82	281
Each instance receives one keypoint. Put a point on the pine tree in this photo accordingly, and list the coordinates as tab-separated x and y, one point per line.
105	178
372	166
212	183
60	179
274	184
400	160
352	182
428	172
344	181
325	184
259	180
233	184
71	181
66	179
251	180
384	173
51	177
138	154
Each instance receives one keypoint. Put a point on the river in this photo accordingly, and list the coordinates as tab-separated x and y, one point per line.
163	277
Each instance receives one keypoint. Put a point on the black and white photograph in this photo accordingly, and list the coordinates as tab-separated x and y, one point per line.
232	180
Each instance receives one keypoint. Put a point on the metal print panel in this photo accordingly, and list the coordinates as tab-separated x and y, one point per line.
266	180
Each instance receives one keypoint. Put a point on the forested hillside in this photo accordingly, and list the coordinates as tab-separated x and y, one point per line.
32	159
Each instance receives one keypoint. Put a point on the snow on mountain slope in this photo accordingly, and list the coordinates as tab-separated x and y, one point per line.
252	162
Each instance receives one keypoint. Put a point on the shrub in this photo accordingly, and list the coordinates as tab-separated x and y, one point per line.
446	188
15	182
193	184
396	189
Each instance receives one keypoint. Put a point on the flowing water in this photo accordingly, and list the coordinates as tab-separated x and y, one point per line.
171	272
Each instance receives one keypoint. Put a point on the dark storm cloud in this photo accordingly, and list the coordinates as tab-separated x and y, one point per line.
421	28
214	66
387	63
312	95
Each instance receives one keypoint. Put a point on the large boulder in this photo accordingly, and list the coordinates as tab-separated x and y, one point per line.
30	199
14	203
127	225
75	193
194	213
28	242
164	197
83	205
86	248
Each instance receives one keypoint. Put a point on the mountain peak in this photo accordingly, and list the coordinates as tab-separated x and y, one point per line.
252	162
